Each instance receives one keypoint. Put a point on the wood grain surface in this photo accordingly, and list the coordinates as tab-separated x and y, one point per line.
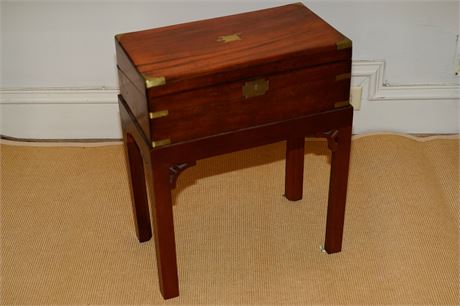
217	109
299	69
191	55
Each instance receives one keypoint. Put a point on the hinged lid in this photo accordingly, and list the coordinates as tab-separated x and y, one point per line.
242	46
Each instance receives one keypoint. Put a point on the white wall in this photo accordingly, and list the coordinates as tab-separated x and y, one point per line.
417	39
58	76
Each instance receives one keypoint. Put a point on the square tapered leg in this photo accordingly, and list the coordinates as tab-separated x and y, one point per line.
138	190
295	150
338	190
163	225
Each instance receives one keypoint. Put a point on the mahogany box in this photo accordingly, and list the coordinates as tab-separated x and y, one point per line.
199	89
207	77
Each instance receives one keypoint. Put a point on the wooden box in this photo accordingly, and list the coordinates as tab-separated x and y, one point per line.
199	89
203	78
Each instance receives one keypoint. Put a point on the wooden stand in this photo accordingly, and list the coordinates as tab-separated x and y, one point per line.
162	166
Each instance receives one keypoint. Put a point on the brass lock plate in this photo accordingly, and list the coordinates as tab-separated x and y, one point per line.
255	88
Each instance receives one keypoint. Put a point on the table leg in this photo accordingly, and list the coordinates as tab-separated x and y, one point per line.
338	191
295	150
138	190
163	225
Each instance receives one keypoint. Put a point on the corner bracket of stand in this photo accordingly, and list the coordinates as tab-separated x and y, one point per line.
177	169
332	138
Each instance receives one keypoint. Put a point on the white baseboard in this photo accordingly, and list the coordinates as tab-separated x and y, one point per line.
60	113
77	113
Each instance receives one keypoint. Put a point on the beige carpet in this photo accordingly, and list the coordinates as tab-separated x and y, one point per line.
67	234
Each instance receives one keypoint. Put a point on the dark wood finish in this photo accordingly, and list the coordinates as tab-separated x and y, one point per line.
135	167
296	52
125	64
321	124
254	136
295	151
177	169
137	102
161	214
223	108
338	190
331	137
190	55
163	225
202	110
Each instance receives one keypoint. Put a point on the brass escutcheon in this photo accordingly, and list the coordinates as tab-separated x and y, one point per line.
255	88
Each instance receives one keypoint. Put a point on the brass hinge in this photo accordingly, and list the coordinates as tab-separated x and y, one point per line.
229	38
158	114
344	44
154	81
341	104
255	88
343	76
162	142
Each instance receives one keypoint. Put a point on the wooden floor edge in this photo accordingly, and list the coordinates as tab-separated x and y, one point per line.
98	142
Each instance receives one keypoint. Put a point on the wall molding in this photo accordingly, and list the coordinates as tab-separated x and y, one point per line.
96	95
378	90
371	71
76	113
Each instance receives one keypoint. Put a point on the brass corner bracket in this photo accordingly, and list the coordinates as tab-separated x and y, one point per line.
344	76
158	114
162	142
154	81
341	104
344	44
